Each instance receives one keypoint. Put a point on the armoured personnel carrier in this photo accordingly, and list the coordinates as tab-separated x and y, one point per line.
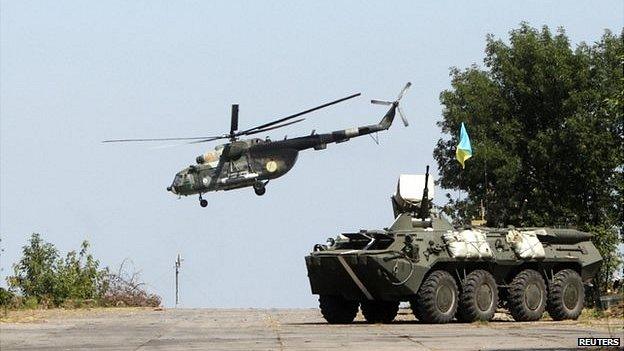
446	272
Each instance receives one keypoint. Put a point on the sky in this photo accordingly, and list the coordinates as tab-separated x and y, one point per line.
74	73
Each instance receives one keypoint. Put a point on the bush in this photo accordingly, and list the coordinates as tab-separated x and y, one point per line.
34	273
43	276
6	297
44	279
126	289
606	240
31	303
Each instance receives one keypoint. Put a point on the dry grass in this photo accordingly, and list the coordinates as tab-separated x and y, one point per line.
43	315
615	312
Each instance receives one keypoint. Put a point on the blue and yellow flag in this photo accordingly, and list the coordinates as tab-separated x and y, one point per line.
464	150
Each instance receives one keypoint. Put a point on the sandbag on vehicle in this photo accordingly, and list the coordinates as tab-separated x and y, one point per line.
467	244
525	244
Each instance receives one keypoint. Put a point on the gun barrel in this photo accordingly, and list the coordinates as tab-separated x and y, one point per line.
424	203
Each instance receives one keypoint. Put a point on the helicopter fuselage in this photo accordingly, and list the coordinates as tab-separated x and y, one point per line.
253	162
240	164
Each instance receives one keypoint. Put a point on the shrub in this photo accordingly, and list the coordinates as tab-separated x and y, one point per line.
125	289
6	297
45	279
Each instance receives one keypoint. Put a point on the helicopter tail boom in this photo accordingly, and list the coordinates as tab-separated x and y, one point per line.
320	141
340	136
388	118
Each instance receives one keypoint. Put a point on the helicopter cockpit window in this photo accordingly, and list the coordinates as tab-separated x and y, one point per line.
177	180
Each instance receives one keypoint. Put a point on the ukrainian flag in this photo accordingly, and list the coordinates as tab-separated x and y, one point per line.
464	150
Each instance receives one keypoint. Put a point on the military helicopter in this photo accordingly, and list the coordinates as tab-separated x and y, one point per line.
253	162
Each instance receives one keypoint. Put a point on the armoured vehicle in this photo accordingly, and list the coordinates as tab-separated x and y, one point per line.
446	272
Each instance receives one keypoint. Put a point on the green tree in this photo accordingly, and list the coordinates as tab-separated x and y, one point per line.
547	131
43	277
42	274
78	276
34	273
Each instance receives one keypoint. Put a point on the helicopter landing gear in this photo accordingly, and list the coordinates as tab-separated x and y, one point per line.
202	202
259	188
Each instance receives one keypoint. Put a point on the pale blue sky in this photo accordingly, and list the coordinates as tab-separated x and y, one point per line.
75	73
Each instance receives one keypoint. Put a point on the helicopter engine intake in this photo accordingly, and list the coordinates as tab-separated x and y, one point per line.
207	158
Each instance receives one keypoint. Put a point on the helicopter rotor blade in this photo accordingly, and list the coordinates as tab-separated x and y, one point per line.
405	122
409	84
159	139
234	121
379	102
166	146
245	132
274	127
234	126
249	133
205	140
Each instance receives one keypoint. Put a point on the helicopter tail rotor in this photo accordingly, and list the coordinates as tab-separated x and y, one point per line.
405	121
409	84
379	102
396	103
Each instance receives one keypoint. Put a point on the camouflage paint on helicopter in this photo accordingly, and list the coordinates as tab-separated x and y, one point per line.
243	163
253	162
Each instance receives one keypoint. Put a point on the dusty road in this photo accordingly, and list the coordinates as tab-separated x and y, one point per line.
276	329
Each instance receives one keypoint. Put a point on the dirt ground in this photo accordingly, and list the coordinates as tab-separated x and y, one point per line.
278	329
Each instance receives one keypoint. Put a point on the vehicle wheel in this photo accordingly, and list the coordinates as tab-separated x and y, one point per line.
379	311
436	301
203	202
566	295
527	296
338	310
259	189
479	297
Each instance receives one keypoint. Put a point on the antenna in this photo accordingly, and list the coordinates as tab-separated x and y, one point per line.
178	263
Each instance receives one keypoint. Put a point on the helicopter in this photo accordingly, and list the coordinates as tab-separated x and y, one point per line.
253	162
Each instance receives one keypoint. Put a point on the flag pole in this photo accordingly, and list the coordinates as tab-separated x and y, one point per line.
485	189
463	152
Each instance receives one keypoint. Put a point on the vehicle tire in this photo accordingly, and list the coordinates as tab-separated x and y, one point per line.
437	298
379	311
338	310
527	296
203	202
259	189
479	297
566	295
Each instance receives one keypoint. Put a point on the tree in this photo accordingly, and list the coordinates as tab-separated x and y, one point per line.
78	276
34	273
43	275
547	131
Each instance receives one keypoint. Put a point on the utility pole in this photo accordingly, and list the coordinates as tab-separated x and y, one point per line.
178	263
